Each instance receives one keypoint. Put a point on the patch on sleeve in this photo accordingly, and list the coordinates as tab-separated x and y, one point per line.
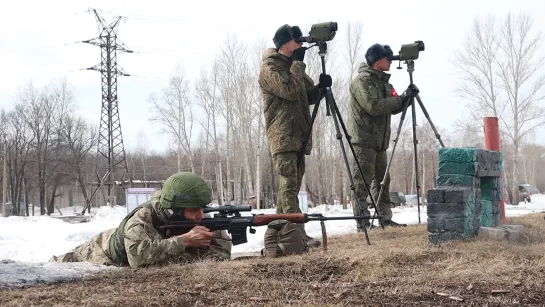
393	92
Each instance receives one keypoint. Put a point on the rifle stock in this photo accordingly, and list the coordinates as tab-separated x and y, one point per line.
265	219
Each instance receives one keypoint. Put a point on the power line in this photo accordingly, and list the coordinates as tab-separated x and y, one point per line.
169	20
37	48
45	18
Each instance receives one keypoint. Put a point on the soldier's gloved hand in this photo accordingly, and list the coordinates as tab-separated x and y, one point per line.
412	90
405	101
299	54
325	81
198	236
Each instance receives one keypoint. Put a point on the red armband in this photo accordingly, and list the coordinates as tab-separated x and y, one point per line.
393	92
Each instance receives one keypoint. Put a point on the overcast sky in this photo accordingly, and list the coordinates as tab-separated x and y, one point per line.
38	41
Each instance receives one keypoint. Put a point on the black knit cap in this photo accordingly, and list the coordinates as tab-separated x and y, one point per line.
286	33
377	52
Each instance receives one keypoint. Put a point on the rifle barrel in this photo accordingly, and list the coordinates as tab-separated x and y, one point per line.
319	217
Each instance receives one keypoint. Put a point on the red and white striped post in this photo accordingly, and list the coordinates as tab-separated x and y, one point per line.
492	142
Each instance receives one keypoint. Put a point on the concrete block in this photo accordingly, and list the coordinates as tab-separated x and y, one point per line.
468	169
458	155
505	232
495	156
519	228
488	173
436	224
446	210
488	160
468	205
512	235
492	233
460	195
487	214
455	225
488	184
487	194
435	196
453	180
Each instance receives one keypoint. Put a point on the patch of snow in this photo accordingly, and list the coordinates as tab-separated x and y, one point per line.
18	274
27	243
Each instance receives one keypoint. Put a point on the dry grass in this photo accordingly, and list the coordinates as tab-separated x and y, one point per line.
398	269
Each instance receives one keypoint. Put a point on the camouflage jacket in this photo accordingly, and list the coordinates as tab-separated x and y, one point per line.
372	102
144	243
287	94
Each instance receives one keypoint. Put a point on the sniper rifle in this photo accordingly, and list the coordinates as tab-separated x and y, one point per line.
229	218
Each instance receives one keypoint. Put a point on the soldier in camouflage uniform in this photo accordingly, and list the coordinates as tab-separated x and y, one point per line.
287	94
373	101
139	242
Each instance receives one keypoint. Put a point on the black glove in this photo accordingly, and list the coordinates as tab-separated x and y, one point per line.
411	91
325	81
299	54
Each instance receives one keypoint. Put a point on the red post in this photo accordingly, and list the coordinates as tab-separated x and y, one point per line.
492	142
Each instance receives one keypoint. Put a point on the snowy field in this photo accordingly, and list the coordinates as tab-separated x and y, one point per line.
27	243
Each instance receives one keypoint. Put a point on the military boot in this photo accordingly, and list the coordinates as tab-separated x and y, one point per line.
393	224
310	241
363	223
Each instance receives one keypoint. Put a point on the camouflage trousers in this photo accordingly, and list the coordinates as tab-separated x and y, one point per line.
373	164
291	177
93	251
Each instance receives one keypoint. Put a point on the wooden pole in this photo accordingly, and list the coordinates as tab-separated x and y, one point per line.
4	181
258	178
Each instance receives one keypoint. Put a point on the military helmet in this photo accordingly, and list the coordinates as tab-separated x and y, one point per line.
185	190
377	52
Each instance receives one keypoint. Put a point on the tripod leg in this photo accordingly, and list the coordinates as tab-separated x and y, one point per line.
415	143
302	151
395	140
437	135
360	170
336	119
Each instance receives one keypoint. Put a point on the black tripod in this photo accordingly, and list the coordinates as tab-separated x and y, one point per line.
410	69
332	105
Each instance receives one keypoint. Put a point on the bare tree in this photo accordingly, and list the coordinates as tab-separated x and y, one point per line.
21	139
142	153
207	92
354	57
174	112
78	139
522	82
57	169
500	70
477	63
354	48
38	114
235	88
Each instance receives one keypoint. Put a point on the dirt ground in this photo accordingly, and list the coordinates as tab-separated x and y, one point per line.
398	269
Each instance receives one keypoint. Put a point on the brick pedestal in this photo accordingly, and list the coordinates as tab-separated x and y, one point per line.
467	194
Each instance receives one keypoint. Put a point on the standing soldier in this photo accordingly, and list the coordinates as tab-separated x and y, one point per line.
373	101
287	94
